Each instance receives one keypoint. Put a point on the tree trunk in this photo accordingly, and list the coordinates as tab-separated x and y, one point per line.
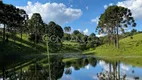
4	34
21	36
14	36
114	70
110	72
3	71
117	38
115	42
114	36
108	39
35	37
118	70
20	77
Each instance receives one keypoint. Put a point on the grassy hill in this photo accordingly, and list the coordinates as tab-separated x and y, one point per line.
27	47
69	46
130	51
128	47
19	46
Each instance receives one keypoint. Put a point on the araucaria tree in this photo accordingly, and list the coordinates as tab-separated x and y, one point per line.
55	34
36	27
113	21
11	17
67	29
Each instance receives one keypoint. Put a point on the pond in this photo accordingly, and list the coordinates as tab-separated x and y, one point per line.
91	69
83	68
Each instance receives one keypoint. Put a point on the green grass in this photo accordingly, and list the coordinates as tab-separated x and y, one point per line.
22	49
23	46
69	59
130	51
69	46
19	51
128	47
70	43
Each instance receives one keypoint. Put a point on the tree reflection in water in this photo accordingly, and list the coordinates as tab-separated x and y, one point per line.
79	63
38	71
68	71
112	74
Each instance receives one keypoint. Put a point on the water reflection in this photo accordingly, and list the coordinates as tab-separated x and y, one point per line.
94	69
80	63
38	70
85	68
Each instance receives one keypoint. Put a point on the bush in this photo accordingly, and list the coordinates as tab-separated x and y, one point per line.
82	46
91	44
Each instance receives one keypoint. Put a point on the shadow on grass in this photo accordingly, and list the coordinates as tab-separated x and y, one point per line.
15	53
12	47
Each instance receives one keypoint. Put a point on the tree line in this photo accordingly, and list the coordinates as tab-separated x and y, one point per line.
15	20
112	22
85	41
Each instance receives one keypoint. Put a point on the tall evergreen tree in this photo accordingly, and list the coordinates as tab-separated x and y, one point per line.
114	20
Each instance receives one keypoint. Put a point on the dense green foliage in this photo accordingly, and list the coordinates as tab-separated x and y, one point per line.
35	27
17	22
84	41
55	34
67	29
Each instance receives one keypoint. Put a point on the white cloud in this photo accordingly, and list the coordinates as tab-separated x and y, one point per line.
87	7
57	12
95	77
96	20
104	65
85	31
100	35
1	25
71	5
105	6
87	67
110	4
125	67
134	5
79	30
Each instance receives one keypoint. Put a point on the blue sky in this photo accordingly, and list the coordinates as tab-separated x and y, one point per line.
79	14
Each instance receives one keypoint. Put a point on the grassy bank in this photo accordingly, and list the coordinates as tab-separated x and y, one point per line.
130	51
17	46
128	47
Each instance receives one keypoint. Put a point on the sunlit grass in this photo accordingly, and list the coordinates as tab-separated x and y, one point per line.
128	47
130	51
70	42
69	59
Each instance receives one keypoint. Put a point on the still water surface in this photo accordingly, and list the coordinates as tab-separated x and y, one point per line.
90	72
85	68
